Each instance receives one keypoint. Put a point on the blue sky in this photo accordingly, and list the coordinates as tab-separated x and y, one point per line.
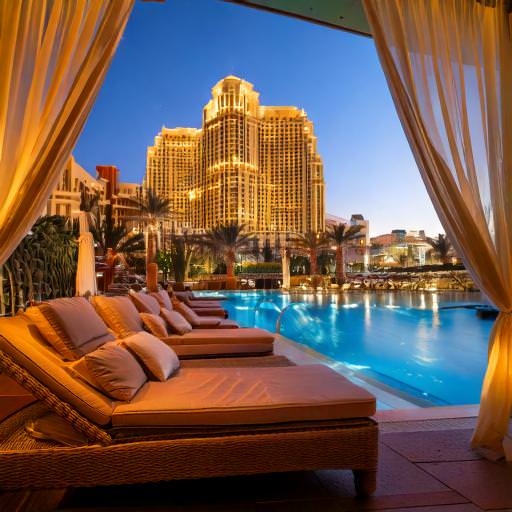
173	53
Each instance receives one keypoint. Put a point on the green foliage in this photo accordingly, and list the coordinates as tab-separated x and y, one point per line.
442	247
116	237
179	256
226	238
259	268
326	263
309	242
182	250
341	233
299	265
164	261
268	255
152	207
220	268
43	266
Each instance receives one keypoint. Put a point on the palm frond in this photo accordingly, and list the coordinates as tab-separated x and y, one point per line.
341	233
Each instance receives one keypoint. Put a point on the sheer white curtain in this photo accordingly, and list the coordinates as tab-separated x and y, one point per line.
54	55
449	68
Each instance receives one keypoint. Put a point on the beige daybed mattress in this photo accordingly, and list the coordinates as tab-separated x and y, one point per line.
241	396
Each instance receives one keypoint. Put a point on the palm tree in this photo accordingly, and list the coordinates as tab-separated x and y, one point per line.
442	247
152	210
114	241
183	248
311	243
339	235
227	240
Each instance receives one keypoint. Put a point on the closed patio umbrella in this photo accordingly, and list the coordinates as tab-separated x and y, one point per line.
86	270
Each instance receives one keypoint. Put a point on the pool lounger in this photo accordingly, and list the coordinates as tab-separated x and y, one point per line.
123	318
201	422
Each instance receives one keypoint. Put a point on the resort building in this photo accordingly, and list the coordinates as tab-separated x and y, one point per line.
250	163
65	199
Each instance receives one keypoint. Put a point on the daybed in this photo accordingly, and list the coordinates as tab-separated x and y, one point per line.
193	423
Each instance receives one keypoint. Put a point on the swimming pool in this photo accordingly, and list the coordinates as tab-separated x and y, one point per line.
405	340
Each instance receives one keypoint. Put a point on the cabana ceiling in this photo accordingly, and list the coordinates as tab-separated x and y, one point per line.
346	15
342	14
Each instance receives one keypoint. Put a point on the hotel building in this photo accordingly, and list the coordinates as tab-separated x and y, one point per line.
250	163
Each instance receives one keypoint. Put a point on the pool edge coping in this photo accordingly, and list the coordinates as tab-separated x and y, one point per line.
403	407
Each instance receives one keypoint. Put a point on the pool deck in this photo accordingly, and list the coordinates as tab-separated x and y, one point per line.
425	465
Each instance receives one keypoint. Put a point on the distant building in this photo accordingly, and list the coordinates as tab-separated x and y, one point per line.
254	164
357	256
401	248
119	194
357	253
333	220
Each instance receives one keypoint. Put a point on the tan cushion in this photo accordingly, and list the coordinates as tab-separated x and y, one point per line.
77	324
116	371
202	304
145	303
163	299
231	336
155	324
228	324
20	339
119	314
222	342
159	359
48	332
176	322
221	313
246	396
200	322
221	350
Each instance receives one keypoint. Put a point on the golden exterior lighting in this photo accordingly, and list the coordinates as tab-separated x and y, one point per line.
249	163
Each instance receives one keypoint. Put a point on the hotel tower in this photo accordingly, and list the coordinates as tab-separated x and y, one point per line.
249	163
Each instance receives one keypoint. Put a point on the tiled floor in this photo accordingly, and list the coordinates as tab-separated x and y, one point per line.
420	471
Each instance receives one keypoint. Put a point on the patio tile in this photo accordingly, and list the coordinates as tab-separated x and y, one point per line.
487	484
412	502
465	507
216	493
432	446
396	475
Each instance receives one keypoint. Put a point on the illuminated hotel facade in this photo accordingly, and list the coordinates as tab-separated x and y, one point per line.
249	163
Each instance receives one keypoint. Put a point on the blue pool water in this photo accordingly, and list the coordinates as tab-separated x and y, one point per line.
402	339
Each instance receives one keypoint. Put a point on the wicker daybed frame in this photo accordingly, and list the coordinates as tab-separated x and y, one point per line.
27	463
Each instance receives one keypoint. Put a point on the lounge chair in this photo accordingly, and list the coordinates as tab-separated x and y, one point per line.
200	422
150	304
202	308
123	318
190	296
